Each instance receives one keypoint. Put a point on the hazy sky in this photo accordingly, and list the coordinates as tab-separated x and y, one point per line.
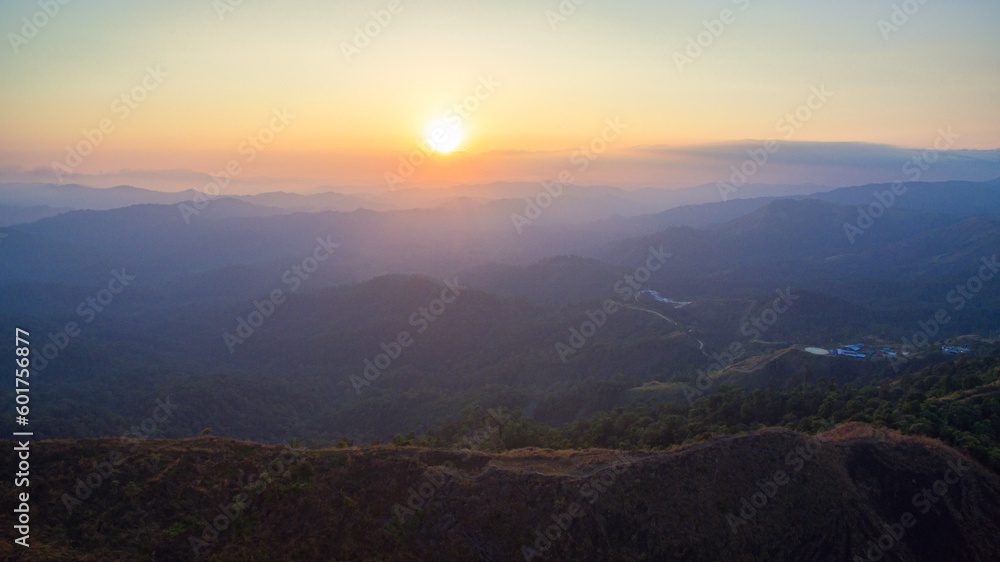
553	84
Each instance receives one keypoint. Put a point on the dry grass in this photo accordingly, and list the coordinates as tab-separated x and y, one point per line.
337	504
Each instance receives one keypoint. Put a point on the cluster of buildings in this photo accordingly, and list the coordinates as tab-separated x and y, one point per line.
858	351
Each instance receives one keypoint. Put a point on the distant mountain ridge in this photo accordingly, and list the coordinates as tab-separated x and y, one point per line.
11	215
77	196
955	197
591	202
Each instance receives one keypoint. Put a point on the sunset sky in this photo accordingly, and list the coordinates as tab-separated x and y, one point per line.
554	83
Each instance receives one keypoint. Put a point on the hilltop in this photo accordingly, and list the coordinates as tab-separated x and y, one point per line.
827	497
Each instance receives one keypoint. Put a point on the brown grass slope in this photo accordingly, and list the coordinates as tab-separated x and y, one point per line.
338	504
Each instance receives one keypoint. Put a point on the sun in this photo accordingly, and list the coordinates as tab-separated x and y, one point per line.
444	135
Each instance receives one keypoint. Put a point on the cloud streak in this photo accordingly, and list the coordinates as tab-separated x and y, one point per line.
824	163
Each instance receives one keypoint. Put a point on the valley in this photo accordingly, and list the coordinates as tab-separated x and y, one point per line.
290	333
